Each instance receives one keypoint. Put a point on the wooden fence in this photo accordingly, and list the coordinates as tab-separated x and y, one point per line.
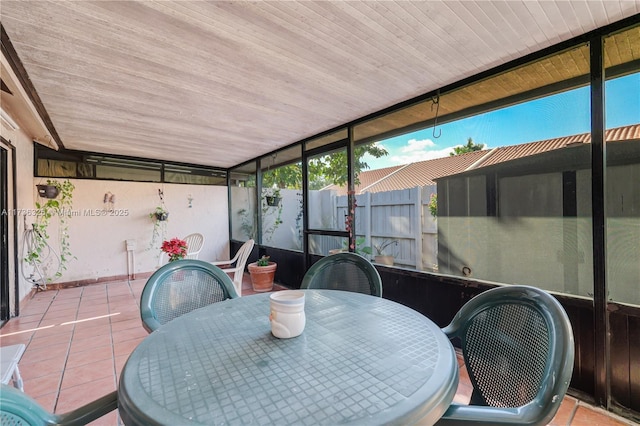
401	216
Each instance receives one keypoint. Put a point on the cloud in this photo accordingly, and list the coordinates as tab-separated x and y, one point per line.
414	145
418	150
410	151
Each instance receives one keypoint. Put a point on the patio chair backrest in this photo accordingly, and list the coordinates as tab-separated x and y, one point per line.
518	349
18	408
180	287
238	263
344	271
195	242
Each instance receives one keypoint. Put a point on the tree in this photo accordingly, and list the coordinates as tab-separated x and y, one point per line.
469	147
326	170
289	176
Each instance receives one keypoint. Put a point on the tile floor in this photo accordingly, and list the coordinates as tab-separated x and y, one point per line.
78	340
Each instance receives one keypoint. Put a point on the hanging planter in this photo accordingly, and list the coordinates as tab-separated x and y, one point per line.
48	191
161	216
272	200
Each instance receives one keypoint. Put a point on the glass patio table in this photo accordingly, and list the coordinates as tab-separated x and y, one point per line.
360	360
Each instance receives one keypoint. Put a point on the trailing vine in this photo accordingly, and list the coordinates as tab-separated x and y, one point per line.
39	242
299	233
159	216
246	225
267	210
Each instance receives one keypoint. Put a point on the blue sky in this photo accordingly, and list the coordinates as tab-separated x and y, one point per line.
563	114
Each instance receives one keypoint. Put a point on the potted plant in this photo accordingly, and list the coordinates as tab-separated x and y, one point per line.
160	214
381	257
272	200
262	274
48	190
272	196
159	217
271	212
175	248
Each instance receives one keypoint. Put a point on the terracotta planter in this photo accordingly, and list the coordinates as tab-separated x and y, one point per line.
384	260
262	276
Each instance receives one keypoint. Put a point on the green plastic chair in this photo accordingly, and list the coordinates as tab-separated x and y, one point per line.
518	348
19	409
344	271
180	287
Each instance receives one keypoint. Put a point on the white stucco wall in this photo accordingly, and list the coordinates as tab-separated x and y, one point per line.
97	235
23	147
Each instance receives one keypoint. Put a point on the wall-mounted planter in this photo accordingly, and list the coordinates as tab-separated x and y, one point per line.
47	191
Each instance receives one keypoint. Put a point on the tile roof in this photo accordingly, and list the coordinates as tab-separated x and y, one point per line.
424	172
508	153
371	177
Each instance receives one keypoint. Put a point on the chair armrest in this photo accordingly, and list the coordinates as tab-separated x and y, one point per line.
221	263
483	415
91	411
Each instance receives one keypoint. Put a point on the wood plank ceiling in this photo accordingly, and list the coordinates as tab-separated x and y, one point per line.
218	83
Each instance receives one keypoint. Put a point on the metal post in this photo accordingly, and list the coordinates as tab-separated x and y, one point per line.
598	203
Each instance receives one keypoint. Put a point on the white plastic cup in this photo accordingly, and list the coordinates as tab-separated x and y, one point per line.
287	313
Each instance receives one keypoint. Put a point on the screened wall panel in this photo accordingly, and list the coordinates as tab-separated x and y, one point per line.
522	213
622	96
242	204
281	199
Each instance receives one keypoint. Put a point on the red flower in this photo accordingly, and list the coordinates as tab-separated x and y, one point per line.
175	248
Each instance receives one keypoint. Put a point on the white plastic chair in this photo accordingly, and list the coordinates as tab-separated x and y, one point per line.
240	260
9	359
195	242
